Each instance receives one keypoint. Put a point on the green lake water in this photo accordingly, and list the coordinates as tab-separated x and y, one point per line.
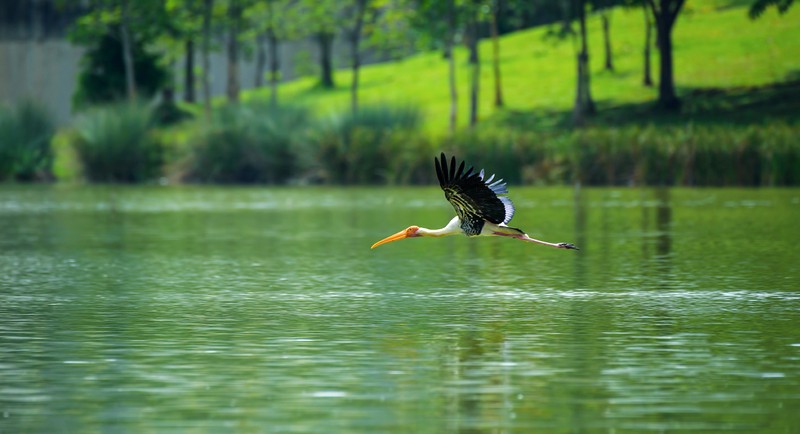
206	309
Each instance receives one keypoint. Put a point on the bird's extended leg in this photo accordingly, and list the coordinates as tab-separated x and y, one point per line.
569	246
506	231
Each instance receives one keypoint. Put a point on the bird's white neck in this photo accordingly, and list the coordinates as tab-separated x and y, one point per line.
452	228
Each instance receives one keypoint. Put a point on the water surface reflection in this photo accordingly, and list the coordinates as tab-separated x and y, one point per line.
203	309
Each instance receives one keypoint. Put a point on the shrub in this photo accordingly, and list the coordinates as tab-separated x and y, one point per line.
378	144
250	143
26	133
116	144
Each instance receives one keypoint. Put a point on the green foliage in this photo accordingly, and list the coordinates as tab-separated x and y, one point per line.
377	144
102	76
250	143
116	144
26	132
759	6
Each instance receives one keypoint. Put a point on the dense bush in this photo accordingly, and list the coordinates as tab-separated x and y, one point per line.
26	132
116	144
250	143
377	144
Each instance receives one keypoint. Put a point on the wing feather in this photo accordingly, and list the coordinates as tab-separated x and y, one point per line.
473	197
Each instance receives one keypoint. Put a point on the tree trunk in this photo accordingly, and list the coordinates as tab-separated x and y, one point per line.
666	84
127	52
475	65
208	6
261	60
665	13
234	15
274	66
604	16
325	41
566	16
584	105
498	87
648	43
361	6
451	64
188	88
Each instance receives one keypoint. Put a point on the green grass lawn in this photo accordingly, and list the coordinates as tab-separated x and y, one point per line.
722	59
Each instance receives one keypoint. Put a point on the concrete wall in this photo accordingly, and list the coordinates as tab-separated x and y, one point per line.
46	70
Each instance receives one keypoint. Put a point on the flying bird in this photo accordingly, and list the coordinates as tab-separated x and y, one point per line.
482	207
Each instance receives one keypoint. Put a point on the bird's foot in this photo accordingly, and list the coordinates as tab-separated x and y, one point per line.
567	246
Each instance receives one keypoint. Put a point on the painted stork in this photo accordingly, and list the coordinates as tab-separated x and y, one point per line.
482	207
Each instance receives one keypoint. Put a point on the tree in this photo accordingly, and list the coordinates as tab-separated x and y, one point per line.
759	6
185	28
274	21
320	20
472	37
604	7
452	29
647	79
439	23
647	75
127	55
666	13
208	10
360	9
498	86
118	33
234	24
584	105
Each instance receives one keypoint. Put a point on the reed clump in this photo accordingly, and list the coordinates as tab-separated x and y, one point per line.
26	133
117	143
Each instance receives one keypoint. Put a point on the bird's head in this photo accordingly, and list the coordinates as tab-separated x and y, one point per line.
409	232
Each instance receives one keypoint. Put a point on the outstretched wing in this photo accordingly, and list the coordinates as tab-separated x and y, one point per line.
474	198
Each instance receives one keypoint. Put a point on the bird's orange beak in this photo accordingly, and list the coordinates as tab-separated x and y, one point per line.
396	237
405	233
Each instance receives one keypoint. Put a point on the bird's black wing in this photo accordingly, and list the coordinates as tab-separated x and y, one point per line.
474	198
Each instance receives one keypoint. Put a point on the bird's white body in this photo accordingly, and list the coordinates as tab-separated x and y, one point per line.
489	230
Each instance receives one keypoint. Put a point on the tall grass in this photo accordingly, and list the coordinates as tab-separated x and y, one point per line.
117	144
26	132
250	143
690	155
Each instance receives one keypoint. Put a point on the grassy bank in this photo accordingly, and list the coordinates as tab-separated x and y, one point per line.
739	124
716	47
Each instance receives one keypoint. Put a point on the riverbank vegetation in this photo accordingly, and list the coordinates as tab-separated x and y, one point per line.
738	121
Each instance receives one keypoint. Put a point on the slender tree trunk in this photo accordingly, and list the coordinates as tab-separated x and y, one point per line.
648	43
665	13
606	19
451	64
498	86
188	88
361	6
584	105
261	59
475	68
274	66
208	5
234	15
566	16
325	40
127	52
